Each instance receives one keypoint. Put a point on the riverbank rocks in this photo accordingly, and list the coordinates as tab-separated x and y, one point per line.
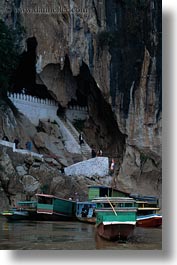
30	183
9	181
98	166
51	161
21	170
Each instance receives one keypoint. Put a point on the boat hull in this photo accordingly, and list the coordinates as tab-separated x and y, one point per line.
149	221
34	216
115	232
16	215
52	217
89	220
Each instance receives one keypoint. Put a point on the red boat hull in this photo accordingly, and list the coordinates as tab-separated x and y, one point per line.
150	222
115	231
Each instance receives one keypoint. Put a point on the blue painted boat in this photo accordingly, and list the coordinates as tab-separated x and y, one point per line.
85	212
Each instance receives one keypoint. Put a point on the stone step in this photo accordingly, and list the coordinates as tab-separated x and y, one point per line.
72	132
84	149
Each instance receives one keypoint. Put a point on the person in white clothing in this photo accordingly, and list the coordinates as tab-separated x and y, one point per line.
112	166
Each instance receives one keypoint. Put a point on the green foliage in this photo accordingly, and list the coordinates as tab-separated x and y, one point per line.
143	158
8	56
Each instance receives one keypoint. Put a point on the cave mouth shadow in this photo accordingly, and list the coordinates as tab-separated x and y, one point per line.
101	115
25	75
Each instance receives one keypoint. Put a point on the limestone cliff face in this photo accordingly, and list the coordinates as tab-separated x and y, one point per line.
71	33
137	95
106	54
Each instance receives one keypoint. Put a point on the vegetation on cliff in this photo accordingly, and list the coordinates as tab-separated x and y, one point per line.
8	56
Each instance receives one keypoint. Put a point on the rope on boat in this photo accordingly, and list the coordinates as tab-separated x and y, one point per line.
111	205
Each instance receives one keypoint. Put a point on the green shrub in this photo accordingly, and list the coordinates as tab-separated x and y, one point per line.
143	158
9	57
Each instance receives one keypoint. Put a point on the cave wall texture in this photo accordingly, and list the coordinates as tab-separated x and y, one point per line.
108	53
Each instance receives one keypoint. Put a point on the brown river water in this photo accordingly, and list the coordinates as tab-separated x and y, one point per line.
25	235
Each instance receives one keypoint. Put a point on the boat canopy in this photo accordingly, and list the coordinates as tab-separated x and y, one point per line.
113	200
50	196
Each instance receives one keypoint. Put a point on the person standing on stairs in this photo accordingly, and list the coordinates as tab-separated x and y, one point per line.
93	152
16	142
29	145
81	139
112	167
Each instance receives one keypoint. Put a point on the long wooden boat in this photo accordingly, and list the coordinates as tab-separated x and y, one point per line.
21	211
149	220
148	216
52	208
148	212
115	217
85	212
15	214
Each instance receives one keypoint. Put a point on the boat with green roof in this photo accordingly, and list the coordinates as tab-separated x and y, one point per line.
115	217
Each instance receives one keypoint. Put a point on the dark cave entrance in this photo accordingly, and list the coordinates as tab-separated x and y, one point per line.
100	128
80	98
25	76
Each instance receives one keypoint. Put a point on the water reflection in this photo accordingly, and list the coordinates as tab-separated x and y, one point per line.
70	235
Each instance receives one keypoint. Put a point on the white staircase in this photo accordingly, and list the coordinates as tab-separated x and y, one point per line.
84	148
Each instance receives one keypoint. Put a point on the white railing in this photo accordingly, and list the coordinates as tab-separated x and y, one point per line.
77	107
21	151
34	108
29	98
76	112
8	144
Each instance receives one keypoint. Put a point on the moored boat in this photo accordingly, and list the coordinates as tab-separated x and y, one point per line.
115	217
15	214
22	211
85	212
148	212
52	208
149	220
